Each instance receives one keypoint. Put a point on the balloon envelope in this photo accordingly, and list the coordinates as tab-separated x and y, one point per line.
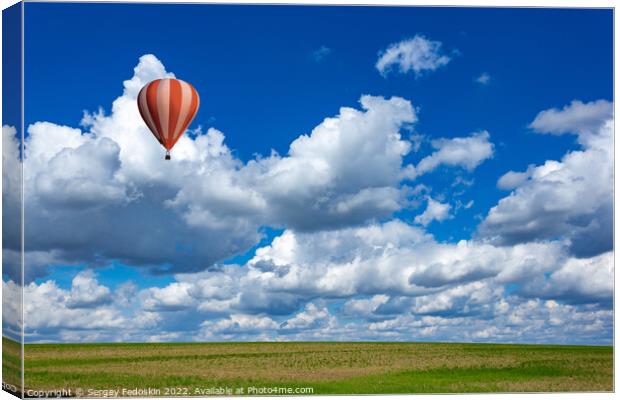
168	106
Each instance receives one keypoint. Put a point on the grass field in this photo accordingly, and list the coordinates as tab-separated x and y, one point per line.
335	368
11	362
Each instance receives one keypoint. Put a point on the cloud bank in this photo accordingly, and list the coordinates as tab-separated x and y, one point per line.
207	205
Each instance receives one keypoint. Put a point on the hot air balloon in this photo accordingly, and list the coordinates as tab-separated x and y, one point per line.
168	106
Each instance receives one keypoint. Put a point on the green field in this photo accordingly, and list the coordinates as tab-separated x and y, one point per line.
327	368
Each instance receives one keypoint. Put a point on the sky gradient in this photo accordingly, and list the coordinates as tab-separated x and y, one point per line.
353	173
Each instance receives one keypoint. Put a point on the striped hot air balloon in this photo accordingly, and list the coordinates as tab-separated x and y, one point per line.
168	106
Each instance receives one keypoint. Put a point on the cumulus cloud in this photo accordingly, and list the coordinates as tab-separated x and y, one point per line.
342	266
570	198
364	307
11	202
47	306
578	281
87	311
479	298
512	179
435	211
510	320
345	172
464	152
12	310
238	323
86	291
391	258
417	55
576	117
206	205
396	281
175	296
82	187
312	317
111	175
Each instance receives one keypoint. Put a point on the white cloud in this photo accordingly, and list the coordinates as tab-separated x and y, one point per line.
319	54
86	291
576	117
463	205
119	185
338	269
345	172
578	281
312	317
11	309
163	337
175	296
364	307
11	200
398	283
465	152
483	79
435	211
477	297
570	198
379	263
350	167
389	260
239	323
393	258
48	306
82	187
349	170
86	312
417	54
511	320
511	179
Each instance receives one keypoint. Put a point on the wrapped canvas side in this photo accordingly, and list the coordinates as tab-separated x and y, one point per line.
12	200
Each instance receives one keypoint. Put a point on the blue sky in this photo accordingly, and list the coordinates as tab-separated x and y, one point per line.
268	75
261	85
11	50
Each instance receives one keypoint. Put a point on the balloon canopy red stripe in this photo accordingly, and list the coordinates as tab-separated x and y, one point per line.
168	108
